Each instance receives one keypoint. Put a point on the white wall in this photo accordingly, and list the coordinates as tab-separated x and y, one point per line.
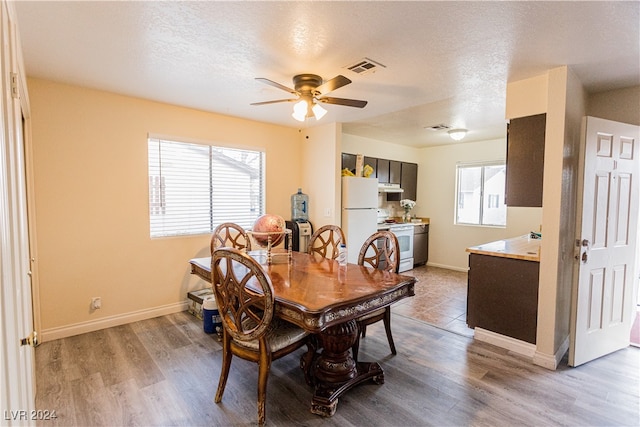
448	241
375	148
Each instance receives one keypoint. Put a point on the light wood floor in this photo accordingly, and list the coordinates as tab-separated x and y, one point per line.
164	372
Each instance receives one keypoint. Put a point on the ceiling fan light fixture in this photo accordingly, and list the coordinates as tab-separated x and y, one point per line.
300	110
311	90
318	111
457	134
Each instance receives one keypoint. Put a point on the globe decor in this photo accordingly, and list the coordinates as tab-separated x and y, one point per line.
269	231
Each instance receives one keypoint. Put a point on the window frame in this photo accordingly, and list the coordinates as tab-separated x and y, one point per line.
482	165
255	201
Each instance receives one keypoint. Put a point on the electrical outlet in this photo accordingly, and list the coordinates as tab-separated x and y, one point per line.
96	303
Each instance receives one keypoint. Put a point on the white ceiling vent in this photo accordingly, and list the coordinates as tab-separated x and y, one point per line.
440	126
365	66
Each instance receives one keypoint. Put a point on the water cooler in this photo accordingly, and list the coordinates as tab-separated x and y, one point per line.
299	225
301	232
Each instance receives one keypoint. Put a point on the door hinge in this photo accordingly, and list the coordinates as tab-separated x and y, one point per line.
31	340
14	86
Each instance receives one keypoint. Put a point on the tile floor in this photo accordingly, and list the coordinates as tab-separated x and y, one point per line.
440	299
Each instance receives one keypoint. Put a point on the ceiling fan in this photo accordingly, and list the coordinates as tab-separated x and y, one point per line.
310	90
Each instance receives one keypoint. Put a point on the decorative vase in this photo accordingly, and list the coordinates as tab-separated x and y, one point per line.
407	216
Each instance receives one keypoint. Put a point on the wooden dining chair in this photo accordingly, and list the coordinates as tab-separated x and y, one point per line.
231	235
380	251
326	240
250	330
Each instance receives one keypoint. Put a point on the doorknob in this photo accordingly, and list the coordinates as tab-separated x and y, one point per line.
31	340
585	252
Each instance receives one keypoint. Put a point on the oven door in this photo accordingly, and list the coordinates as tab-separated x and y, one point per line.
404	234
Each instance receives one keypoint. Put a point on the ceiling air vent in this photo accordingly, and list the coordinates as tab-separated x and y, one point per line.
440	126
365	66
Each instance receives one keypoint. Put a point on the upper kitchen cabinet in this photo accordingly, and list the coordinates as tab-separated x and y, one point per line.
383	171
389	171
349	161
373	162
408	181
525	161
395	172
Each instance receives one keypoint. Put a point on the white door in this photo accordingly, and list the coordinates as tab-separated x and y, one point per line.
16	353
603	306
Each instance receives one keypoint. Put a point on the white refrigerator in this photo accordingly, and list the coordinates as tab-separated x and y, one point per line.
359	212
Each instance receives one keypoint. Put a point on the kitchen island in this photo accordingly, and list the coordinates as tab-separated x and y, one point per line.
502	292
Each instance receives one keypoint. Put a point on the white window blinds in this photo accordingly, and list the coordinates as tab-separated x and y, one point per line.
193	188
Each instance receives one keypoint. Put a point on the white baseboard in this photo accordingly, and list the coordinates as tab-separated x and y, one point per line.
448	267
551	361
517	346
108	322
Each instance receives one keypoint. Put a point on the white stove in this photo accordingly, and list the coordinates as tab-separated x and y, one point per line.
404	234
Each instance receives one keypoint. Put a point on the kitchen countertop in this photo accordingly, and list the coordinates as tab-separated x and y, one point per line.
386	225
521	247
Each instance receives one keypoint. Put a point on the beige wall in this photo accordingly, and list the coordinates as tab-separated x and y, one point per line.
620	105
91	197
321	160
436	195
565	105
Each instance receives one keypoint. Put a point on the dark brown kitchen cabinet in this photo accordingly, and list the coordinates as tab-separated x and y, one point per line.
383	171
389	172
349	161
502	296
373	162
409	180
525	161
395	172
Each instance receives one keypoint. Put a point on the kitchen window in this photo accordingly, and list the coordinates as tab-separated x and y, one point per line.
480	194
194	187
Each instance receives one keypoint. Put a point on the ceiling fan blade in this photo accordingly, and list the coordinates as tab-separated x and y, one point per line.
275	84
333	84
342	101
274	102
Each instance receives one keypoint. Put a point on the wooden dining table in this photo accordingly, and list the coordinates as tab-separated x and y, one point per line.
325	299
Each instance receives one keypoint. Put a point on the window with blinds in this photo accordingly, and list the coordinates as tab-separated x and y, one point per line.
193	188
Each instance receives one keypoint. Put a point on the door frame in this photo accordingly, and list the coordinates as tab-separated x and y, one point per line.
17	360
612	344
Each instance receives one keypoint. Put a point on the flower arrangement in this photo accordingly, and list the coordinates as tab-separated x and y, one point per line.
407	205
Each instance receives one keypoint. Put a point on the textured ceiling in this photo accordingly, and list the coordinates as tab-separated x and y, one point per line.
444	62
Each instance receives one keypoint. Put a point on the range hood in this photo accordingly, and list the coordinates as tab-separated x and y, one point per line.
389	188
